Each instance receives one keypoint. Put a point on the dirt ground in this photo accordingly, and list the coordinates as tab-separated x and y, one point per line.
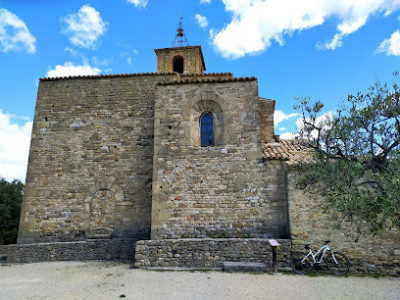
110	280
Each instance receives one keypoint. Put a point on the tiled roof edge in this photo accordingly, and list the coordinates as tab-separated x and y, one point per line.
213	80
105	76
277	158
129	75
183	47
206	74
286	150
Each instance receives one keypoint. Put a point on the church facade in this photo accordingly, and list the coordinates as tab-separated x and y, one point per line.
177	168
172	154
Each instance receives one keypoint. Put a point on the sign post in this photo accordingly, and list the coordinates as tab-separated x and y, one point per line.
274	244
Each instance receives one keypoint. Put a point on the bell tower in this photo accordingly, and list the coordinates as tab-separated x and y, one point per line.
180	57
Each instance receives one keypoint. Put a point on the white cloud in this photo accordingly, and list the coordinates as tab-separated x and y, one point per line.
14	147
85	27
280	116
256	24
391	46
332	44
205	1
71	51
323	121
287	136
14	35
128	57
201	20
138	3
101	62
69	69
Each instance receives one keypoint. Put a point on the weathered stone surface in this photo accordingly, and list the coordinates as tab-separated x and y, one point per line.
119	156
90	172
309	224
221	191
92	143
229	266
193	60
108	249
208	253
267	109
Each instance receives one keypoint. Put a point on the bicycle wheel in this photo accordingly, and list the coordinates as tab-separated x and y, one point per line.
297	265
341	267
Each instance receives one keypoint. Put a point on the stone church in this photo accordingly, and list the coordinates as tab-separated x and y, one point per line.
169	169
172	154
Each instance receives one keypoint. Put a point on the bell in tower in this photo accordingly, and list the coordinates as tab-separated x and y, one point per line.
180	57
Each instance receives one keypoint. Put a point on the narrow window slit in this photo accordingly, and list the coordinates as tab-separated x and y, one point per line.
207	130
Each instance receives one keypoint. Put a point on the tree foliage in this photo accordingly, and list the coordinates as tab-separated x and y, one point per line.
10	209
357	156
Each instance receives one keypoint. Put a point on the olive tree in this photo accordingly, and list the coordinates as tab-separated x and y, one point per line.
357	156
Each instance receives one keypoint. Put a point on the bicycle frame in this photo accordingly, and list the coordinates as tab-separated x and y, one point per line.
314	261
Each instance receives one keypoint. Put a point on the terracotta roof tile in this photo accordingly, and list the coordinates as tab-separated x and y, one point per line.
206	74
177	48
132	75
211	80
291	151
105	76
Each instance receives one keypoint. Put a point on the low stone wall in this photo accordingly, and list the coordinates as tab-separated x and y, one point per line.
115	249
309	224
208	253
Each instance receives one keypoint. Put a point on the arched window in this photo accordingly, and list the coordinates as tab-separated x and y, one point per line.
207	130
178	64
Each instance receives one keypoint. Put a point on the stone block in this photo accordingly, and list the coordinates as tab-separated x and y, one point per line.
229	266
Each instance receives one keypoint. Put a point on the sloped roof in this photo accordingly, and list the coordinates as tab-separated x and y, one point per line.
104	76
204	75
291	151
211	80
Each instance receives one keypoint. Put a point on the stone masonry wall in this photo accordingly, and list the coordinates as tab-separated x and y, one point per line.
114	249
267	109
91	159
221	191
370	254
208	253
193	61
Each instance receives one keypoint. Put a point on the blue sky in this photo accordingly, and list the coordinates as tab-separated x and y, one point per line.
325	49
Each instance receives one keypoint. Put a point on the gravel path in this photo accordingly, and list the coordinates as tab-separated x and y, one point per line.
110	280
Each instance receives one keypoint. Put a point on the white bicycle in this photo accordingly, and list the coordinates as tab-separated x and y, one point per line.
302	263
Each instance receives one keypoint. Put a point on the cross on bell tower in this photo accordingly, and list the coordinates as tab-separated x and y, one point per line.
180	37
